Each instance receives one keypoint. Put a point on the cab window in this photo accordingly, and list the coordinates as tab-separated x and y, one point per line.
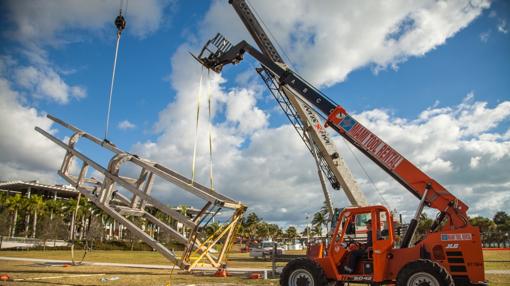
383	228
357	229
341	227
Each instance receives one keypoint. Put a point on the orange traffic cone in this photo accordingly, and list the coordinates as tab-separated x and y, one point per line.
255	276
4	277
221	272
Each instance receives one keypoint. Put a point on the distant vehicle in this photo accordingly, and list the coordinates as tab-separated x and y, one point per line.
294	245
264	249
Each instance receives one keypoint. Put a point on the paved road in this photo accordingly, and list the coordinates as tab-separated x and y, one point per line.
21	244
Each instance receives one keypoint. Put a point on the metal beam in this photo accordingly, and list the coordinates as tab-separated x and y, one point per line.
139	198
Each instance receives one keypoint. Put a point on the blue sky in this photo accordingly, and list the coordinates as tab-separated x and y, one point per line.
415	91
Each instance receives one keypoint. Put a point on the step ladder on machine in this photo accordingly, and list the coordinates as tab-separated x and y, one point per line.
133	198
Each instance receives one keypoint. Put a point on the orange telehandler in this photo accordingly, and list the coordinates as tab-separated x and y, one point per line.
450	253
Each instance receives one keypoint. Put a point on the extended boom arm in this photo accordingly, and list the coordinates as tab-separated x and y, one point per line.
407	174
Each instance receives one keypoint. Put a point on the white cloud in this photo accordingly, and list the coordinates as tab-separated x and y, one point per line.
252	163
502	27
125	125
25	154
476	117
463	147
45	21
475	161
484	36
242	109
327	40
37	26
44	83
270	169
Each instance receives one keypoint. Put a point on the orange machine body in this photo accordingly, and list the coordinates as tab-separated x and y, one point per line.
457	251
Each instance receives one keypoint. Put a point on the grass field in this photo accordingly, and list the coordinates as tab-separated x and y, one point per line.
134	276
492	255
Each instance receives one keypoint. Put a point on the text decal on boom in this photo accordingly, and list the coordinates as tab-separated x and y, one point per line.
371	143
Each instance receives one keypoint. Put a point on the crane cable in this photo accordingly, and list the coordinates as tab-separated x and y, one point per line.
120	23
196	127
290	64
377	191
211	179
199	96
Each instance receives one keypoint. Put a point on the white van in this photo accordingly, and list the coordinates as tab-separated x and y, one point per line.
264	249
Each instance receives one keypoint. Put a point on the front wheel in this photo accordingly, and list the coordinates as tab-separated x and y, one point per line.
303	272
424	273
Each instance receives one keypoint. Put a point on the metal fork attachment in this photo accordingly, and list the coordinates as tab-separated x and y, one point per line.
217	48
134	199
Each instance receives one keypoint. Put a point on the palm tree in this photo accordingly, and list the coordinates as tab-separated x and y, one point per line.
318	220
291	233
4	220
3	200
250	224
13	204
273	230
316	230
25	205
105	220
327	218
56	210
36	205
262	230
85	215
70	211
279	234
212	228
242	233
55	207
96	222
321	218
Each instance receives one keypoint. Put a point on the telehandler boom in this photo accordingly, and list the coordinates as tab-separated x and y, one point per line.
449	254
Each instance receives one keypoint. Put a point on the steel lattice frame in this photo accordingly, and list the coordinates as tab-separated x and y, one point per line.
139	200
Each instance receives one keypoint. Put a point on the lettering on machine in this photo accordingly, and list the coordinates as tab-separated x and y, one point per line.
371	143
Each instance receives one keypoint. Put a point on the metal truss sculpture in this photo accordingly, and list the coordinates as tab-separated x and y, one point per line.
136	200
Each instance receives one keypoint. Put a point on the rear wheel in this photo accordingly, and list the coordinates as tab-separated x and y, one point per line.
424	273
303	272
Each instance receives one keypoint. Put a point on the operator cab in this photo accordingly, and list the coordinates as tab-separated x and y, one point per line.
361	240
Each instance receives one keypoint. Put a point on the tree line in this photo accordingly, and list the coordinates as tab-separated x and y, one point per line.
37	217
254	227
41	218
494	232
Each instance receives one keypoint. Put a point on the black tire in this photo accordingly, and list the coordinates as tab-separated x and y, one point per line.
424	272
303	272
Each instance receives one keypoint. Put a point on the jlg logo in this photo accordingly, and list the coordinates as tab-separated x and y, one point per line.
452	245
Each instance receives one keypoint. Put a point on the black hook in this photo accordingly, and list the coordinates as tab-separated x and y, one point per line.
120	22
